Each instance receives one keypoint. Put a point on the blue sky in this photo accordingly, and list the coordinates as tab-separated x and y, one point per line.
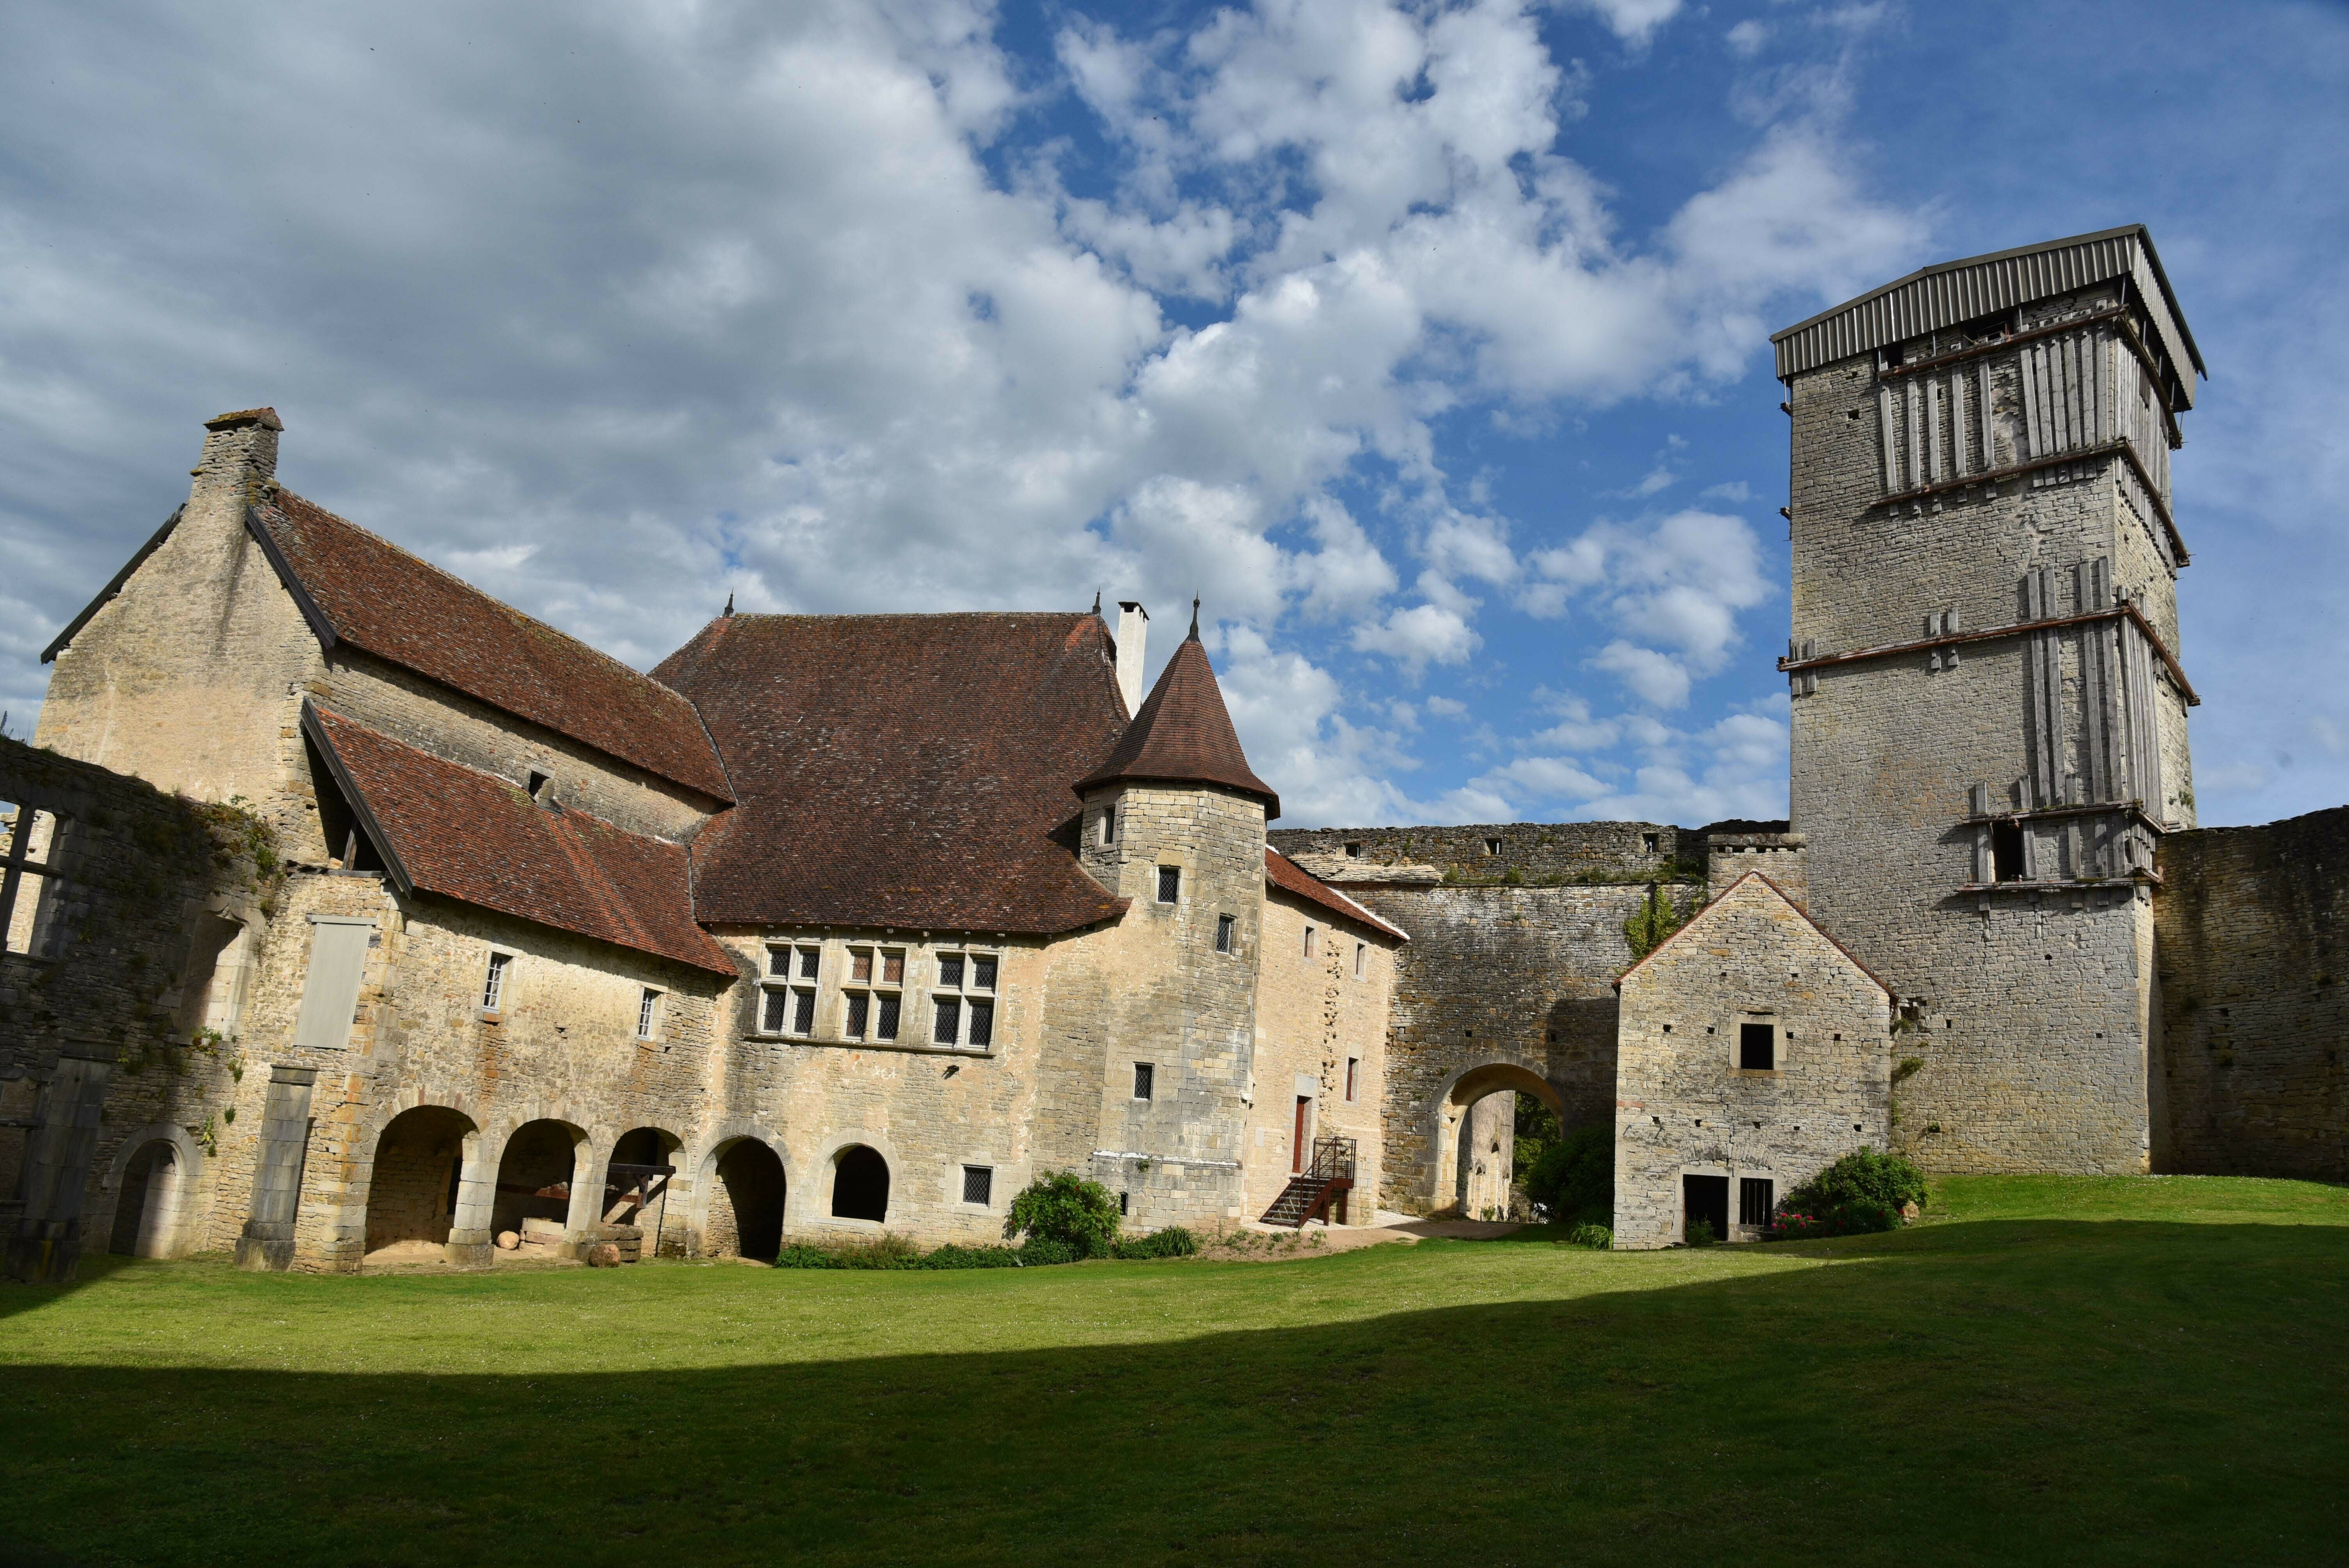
1426	342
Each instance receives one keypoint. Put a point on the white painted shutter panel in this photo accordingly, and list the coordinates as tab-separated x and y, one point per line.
338	950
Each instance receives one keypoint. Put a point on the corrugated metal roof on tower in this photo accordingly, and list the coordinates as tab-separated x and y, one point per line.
1950	293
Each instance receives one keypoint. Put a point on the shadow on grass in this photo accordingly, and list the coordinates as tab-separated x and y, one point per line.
1998	1392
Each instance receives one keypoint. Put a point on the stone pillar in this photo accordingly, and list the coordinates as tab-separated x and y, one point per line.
584	1225
470	1242
45	1248
267	1244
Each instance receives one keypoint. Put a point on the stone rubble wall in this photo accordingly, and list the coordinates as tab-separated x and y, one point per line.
2251	928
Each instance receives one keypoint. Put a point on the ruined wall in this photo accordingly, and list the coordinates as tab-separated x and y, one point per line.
1314	1017
1511	853
1686	1107
2251	927
123	982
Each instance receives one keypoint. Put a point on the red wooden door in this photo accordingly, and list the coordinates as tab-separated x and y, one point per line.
1304	1121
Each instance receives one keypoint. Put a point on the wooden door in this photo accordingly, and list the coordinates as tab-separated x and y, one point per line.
1304	1125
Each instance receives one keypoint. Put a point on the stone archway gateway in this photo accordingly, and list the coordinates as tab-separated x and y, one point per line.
1474	1137
147	1212
416	1187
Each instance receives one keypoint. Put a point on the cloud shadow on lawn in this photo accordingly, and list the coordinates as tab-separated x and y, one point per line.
2118	1391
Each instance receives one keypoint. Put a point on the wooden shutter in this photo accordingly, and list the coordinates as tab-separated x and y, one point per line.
338	949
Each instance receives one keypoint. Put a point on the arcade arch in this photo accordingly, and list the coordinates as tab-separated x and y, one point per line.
745	1218
414	1188
1476	1135
148	1210
860	1184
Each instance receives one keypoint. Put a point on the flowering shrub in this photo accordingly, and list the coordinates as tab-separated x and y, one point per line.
1858	1217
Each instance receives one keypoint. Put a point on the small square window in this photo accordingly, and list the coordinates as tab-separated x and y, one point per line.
1353	851
1648	842
647	1013
1223	924
1144	1074
1492	846
1361	960
811	959
493	985
1757	1047
982	971
1170	884
1756	1196
978	1184
950	970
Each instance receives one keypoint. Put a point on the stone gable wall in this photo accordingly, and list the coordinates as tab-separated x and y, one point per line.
2253	931
1684	1106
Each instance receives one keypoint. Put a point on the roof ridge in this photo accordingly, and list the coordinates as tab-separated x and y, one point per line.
484	595
1712	903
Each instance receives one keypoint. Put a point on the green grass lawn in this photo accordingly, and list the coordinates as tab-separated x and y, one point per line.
2090	1370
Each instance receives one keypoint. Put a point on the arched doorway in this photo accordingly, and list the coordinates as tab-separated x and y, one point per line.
536	1171
860	1184
1475	1164
146	1214
635	1192
746	1202
412	1191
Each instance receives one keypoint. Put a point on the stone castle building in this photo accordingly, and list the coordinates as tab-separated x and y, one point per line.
352	913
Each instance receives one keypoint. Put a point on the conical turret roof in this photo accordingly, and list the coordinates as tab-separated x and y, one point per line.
1183	734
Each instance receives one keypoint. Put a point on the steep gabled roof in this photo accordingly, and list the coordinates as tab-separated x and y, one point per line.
1289	877
1183	734
907	772
443	827
356	588
1780	894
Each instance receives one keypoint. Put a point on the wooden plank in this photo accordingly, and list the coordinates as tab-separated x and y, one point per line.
1884	422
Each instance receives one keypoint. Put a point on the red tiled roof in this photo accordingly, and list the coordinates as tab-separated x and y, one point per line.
375	596
472	836
1183	734
901	771
1289	877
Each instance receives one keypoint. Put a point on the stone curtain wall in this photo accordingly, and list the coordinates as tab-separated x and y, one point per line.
142	871
2252	932
1516	976
1685	1105
1531	852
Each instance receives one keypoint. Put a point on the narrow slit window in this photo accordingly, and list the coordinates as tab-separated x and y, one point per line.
1353	1071
1223	924
493	983
1361	960
1170	884
647	1014
1107	830
1309	942
1145	1077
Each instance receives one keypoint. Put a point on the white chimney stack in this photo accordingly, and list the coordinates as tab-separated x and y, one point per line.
1133	638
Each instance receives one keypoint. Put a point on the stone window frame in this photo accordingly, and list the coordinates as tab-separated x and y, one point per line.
499	966
1170	881
875	988
1145	1083
1736	1044
45	930
1227	934
794	987
1105	828
1353	1084
969	1001
650	1011
1361	960
984	1169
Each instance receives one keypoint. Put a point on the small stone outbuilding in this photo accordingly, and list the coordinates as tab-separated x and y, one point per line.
1751	1052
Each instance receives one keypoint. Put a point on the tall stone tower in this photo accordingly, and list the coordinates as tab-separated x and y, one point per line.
1989	710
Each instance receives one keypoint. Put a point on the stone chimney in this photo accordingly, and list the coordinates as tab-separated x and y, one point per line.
240	461
1132	642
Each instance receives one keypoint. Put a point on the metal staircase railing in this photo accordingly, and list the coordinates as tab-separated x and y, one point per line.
1325	1182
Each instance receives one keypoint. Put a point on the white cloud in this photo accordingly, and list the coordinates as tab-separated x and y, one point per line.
1633	21
1733	490
1747	38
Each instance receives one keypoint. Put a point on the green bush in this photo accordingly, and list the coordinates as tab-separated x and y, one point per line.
1043	1252
1174	1241
954	1257
1065	1209
1597	1238
1884	1180
1854	1219
1574	1178
806	1257
1700	1233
